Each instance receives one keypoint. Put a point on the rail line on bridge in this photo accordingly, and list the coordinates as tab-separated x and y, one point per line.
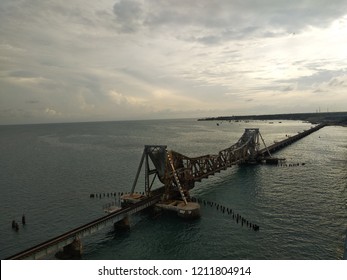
286	142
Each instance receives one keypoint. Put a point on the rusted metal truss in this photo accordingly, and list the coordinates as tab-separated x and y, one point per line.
179	173
195	169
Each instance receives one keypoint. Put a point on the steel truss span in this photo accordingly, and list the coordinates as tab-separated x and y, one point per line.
178	172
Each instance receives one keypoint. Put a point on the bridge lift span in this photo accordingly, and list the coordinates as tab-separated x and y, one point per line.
178	173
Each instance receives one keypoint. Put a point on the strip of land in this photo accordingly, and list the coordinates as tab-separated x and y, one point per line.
328	118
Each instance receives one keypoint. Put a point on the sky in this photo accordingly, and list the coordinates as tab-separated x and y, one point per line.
82	60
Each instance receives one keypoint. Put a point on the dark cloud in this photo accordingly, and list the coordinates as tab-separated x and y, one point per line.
225	20
338	82
22	74
128	15
330	77
288	88
32	101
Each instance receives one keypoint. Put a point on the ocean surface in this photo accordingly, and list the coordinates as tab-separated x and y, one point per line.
48	171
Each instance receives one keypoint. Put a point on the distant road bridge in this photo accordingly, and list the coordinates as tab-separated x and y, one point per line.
177	175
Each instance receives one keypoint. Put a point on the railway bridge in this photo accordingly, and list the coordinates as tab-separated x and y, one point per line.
177	175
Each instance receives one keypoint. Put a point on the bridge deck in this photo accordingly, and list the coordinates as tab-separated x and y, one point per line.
286	142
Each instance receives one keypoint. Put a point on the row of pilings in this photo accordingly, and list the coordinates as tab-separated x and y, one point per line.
226	210
223	209
110	194
290	164
285	164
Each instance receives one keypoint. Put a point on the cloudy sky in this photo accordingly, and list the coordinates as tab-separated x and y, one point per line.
87	60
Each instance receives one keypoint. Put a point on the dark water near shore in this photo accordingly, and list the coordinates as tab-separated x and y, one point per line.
48	172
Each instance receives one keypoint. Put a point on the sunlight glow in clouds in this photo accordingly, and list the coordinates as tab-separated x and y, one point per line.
134	59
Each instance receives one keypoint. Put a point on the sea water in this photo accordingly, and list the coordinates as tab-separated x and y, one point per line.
48	171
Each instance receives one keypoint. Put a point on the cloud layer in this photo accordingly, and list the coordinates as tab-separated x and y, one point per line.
135	59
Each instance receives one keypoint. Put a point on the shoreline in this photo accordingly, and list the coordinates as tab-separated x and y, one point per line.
335	118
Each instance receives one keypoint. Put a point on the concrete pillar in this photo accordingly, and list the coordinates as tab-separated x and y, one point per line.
123	224
191	210
72	251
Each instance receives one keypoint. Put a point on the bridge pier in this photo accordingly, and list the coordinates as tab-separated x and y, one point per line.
123	224
191	210
72	251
